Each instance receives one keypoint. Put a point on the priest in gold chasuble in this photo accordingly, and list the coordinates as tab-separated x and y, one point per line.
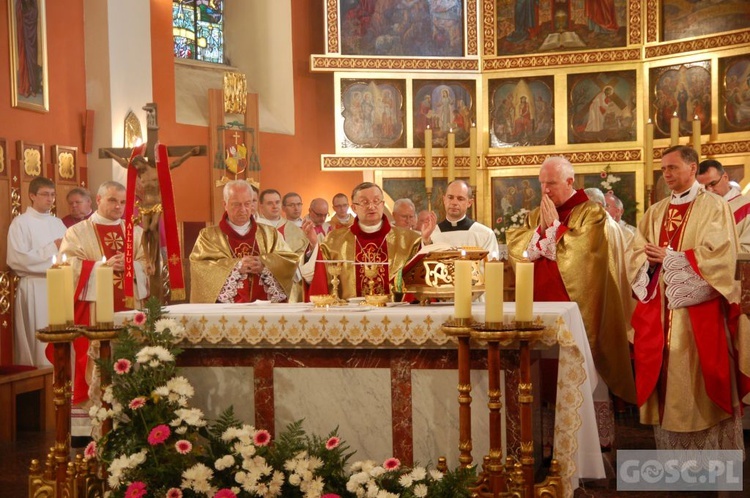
691	368
370	239
240	261
566	238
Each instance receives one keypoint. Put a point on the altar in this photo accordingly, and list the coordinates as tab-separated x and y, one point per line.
386	377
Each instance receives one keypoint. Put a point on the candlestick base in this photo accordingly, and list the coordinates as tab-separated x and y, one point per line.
458	327
58	333
103	331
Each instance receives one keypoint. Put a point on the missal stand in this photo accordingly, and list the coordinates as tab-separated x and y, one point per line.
515	478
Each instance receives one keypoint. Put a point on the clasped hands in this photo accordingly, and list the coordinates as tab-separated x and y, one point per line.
547	213
655	254
250	265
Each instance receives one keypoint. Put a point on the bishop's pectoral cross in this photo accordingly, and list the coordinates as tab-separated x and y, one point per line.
150	202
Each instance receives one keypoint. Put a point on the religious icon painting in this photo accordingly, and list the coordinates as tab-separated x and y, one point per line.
621	184
530	27
31	158
602	107
65	161
512	199
414	189
522	111
3	157
28	55
445	106
734	94
373	112
687	19
684	89
405	28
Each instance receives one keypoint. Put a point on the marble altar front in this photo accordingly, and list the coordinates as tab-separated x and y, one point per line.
386	377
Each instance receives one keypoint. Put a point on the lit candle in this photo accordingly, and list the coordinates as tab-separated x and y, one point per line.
473	155
697	136
462	287
649	153
105	312
451	155
428	158
674	130
55	289
67	297
524	290
493	291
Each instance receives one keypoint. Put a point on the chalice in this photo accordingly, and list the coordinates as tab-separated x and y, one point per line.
371	271
335	270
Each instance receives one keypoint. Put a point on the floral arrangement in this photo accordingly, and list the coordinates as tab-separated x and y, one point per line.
508	221
609	182
161	447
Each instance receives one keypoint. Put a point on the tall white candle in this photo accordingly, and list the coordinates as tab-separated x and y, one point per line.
473	155
524	291
451	155
649	153
674	130
67	296
697	136
105	299
428	158
55	289
462	288
493	291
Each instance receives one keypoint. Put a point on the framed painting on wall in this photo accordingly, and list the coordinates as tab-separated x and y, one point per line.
734	94
65	161
444	106
31	158
404	28
621	184
3	157
28	54
684	89
530	27
687	19
373	112
522	111
602	107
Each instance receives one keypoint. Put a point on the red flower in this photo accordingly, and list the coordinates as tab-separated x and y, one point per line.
158	434
183	446
603	174
90	451
225	493
331	495
332	443
262	438
392	464
122	366
136	403
139	318
174	493
136	489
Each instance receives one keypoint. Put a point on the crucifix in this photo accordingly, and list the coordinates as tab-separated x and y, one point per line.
150	203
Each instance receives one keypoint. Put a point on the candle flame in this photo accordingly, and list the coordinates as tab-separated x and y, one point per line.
54	259
695	117
428	127
649	121
494	256
64	258
674	114
525	255
104	259
463	253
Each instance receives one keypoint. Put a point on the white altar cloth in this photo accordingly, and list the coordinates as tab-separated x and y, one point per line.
576	439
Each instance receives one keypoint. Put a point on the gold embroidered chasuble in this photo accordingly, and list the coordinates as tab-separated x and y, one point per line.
402	244
708	230
590	278
212	261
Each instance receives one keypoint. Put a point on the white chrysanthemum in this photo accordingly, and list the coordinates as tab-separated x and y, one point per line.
295	479
418	473
436	474
377	471
181	430
230	434
385	494
190	416
420	490
405	481
224	462
197	478
165	323
154	363
181	386
108	396
314	463
149	353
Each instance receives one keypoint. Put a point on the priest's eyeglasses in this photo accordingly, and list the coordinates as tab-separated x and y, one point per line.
367	204
713	183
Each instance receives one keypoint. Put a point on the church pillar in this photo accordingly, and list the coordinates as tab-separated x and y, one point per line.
118	76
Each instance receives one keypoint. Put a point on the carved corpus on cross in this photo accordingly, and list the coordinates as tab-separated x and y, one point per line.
150	206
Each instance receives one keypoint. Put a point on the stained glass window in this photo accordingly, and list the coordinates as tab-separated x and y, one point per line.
198	29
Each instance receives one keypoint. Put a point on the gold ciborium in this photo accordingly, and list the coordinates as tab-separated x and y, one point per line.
371	272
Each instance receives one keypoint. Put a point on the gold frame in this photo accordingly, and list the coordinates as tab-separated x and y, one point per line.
16	99
60	175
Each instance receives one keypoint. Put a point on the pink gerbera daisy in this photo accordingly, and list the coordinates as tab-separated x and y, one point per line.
603	174
225	493
122	366
136	489
392	464
330	495
262	438
183	446
332	443
139	318
136	403
158	434
90	451
174	493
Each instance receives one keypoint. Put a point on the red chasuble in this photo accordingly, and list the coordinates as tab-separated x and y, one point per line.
249	289
371	248
548	282
112	242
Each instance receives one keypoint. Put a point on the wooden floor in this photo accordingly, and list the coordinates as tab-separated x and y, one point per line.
15	459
